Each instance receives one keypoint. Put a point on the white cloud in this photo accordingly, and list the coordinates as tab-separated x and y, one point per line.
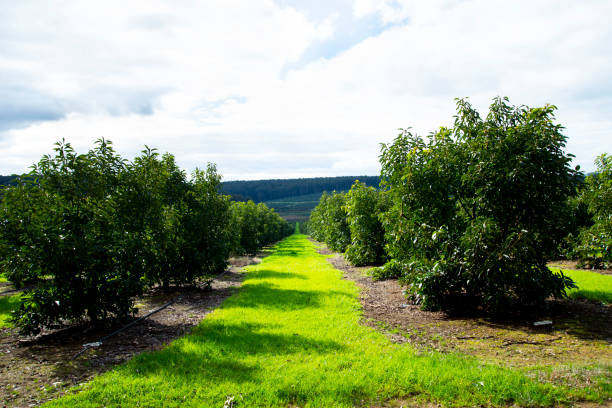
209	81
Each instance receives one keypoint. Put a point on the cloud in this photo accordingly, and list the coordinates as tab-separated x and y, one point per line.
19	107
291	88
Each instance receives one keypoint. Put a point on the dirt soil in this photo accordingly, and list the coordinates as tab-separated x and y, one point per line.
38	369
576	349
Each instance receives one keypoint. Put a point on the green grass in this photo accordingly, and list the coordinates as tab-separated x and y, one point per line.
7	303
591	285
291	337
3	278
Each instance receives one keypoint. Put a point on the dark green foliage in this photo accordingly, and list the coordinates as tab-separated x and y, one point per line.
316	223
391	270
14	179
363	205
184	224
73	242
255	226
577	218
23	212
475	208
94	230
244	225
328	222
593	246
206	234
268	190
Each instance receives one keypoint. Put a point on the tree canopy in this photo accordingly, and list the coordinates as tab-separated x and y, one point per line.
476	207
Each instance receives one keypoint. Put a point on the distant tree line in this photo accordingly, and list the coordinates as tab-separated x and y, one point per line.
468	216
13	179
8	180
93	231
266	190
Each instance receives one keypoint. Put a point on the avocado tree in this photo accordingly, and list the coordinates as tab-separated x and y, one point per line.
316	221
594	244
87	264
92	231
253	226
328	221
363	206
476	207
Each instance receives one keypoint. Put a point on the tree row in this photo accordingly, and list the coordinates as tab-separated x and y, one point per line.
468	216
90	232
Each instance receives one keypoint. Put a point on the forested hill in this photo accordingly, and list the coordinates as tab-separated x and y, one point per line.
266	190
8	180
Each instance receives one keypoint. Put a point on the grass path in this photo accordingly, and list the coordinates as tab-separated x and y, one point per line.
591	285
7	304
291	337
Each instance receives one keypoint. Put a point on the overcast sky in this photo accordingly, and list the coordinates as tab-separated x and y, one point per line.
288	88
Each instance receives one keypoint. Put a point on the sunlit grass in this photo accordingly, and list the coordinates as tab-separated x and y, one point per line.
7	303
591	285
291	337
3	278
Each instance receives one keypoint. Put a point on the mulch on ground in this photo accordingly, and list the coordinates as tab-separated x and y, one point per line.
38	369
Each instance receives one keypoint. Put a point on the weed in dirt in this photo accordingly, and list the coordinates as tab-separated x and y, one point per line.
295	339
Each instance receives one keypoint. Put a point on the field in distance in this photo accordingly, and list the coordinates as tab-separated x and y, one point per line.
293	199
295	209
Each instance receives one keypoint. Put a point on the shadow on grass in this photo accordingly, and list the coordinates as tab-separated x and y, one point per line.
289	252
7	304
220	349
267	296
582	319
267	274
186	367
246	338
355	395
589	294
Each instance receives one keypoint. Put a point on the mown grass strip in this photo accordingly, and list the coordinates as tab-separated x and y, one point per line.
591	285
291	337
7	304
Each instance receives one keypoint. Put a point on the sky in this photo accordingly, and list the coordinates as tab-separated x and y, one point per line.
288	88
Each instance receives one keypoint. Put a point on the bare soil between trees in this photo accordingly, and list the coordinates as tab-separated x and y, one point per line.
42	368
574	350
